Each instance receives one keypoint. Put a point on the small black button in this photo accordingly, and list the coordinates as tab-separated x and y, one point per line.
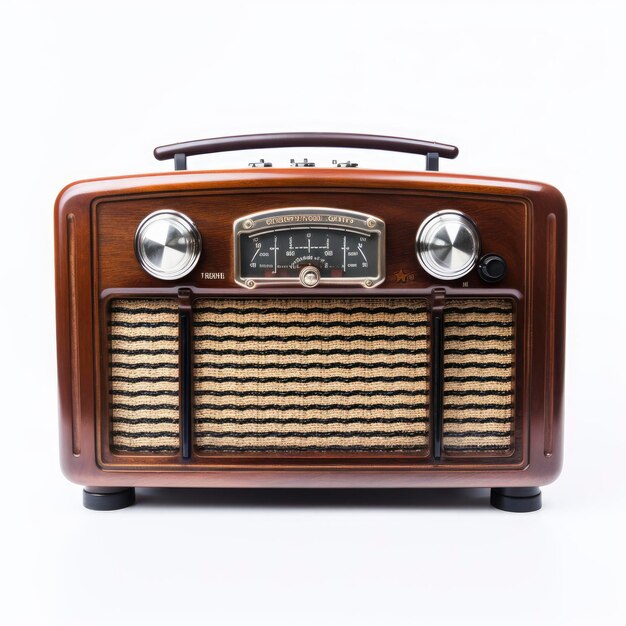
492	268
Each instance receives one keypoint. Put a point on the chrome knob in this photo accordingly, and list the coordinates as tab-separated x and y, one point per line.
167	244
309	276
447	244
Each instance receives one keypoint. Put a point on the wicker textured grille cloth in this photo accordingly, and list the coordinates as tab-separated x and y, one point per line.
478	375
311	375
143	352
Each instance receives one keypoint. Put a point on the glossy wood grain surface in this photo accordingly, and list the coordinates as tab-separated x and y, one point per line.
95	225
501	223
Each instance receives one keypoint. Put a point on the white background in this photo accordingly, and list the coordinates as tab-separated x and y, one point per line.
526	89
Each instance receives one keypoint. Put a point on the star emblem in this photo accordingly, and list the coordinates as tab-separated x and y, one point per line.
402	277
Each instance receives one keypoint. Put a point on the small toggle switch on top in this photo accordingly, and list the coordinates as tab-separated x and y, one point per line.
492	268
303	163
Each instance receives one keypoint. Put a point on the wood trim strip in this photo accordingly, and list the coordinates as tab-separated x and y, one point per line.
185	351
74	352
436	375
550	333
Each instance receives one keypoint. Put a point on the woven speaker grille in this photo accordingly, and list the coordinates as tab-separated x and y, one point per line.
478	376
143	351
311	375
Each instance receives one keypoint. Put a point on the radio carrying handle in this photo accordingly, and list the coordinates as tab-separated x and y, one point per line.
431	150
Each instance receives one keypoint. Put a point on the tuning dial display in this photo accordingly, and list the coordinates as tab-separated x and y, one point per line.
167	244
309	246
447	245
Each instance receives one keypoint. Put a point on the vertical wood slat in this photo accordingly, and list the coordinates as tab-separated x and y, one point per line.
550	333
74	352
436	375
185	351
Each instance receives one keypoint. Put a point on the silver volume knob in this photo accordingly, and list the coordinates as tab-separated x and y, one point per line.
447	244
167	244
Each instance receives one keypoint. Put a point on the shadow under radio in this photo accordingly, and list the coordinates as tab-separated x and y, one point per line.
315	498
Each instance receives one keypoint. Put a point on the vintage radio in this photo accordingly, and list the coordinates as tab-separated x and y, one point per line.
310	326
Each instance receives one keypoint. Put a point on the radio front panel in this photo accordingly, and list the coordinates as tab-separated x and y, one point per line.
280	372
389	245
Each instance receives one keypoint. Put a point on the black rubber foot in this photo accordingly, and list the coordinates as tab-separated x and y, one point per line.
516	499
108	498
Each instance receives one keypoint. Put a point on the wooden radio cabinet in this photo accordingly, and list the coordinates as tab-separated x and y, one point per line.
310	327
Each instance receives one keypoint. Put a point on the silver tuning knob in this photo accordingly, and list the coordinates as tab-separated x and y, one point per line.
167	244
447	244
309	276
